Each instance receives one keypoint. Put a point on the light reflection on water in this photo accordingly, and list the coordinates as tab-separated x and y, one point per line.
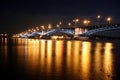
71	60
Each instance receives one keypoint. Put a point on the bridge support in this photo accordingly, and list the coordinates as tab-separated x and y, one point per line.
79	31
76	32
43	32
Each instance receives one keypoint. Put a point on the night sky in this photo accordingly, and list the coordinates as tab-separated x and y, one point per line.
18	15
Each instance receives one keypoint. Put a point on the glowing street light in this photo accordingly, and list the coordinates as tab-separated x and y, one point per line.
29	30
37	28
76	21
86	22
58	25
109	20
69	24
98	17
34	30
49	26
43	27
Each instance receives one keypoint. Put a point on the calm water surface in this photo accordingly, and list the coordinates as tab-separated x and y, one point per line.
34	59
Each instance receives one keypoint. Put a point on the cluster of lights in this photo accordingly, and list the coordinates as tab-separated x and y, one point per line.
4	35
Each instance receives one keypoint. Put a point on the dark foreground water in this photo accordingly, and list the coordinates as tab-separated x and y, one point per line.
33	59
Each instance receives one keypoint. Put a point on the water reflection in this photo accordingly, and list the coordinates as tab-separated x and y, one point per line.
4	49
49	56
63	59
59	46
98	57
108	59
85	59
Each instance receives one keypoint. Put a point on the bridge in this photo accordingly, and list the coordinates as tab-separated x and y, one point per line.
101	30
85	31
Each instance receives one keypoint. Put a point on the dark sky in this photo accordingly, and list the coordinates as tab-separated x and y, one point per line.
18	15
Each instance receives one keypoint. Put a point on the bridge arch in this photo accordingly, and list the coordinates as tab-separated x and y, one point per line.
59	32
67	32
98	30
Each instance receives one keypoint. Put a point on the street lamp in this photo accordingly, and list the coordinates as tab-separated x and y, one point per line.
49	26
86	22
58	25
43	27
69	24
98	17
76	21
109	20
37	28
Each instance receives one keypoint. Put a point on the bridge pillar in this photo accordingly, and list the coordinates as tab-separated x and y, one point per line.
79	31
43	32
76	32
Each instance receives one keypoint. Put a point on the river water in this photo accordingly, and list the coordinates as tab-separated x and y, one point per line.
35	59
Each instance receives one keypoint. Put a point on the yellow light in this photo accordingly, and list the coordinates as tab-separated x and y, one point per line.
5	34
86	22
109	19
43	27
34	30
60	22
61	37
37	28
58	25
75	20
98	16
49	26
54	37
29	30
69	24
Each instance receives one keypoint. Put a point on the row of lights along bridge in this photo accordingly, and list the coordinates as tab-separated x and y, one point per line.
86	22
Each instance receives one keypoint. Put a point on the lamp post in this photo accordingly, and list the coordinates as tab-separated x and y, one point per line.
60	23
58	26
69	24
49	26
109	20
37	28
86	22
76	21
43	27
98	17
